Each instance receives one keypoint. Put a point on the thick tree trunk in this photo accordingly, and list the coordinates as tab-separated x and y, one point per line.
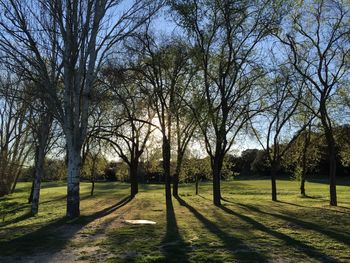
73	181
217	165
133	171
166	167
4	187
273	182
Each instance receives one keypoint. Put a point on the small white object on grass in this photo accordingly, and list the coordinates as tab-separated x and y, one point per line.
140	222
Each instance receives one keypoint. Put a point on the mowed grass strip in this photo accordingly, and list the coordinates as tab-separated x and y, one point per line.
248	227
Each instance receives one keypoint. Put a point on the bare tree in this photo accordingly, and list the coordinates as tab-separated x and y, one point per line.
42	133
225	36
75	37
15	139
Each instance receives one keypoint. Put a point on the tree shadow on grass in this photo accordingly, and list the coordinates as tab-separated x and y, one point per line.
17	219
54	236
19	208
341	237
236	246
325	208
11	208
340	181
300	246
226	200
173	245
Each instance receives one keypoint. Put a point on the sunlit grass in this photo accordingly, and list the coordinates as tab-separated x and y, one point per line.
247	228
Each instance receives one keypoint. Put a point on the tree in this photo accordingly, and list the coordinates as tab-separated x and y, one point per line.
128	130
41	135
165	70
75	37
15	137
304	155
224	36
93	161
283	94
319	48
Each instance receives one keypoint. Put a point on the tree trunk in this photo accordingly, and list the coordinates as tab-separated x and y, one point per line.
273	181
304	168
332	177
13	188
39	167
133	171
217	165
92	186
177	175
73	199
304	162
331	154
176	185
302	186
30	198
43	135
166	167
92	176
197	184
4	187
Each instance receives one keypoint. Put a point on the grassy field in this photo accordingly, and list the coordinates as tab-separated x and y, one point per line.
248	227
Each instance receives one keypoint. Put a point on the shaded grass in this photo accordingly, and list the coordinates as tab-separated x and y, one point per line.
248	227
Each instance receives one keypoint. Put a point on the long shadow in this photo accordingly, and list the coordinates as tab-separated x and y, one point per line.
28	214
307	225
173	244
226	200
55	235
302	247
323	208
340	181
236	246
16	207
17	219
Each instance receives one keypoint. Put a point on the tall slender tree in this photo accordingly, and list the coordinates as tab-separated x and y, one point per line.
282	95
164	69
129	128
225	36
318	41
15	137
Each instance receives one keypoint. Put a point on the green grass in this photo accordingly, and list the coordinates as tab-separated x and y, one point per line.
248	227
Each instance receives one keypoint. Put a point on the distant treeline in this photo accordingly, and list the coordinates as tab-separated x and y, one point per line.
251	162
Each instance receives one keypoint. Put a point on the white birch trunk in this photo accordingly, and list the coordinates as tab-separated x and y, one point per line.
73	180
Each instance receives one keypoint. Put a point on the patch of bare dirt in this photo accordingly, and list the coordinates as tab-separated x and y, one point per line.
82	242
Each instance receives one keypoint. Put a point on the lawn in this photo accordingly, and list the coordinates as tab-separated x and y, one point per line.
248	227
